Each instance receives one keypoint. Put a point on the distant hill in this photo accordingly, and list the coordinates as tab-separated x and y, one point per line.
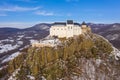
8	30
37	27
13	40
109	31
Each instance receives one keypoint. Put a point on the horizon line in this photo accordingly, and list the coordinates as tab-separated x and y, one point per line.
22	25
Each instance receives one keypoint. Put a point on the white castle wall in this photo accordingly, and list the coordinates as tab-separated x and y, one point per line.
59	31
65	31
77	30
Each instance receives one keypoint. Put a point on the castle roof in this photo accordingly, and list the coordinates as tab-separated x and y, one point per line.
84	23
69	21
59	23
64	23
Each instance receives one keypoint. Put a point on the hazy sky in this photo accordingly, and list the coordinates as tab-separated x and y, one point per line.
25	13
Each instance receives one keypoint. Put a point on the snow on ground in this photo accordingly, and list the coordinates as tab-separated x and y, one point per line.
98	61
35	34
52	41
8	47
45	42
11	57
3	67
12	77
24	47
114	27
31	77
116	52
6	40
112	37
48	41
33	41
43	78
20	37
28	37
20	33
9	37
19	42
44	28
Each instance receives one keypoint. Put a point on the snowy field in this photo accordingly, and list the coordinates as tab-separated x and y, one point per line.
11	57
8	47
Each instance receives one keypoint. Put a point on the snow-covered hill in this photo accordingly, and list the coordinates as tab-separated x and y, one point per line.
14	40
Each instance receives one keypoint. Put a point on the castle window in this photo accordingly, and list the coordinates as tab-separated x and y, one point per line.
68	27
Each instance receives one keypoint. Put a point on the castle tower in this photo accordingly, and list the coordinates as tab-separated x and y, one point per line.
85	28
84	25
69	25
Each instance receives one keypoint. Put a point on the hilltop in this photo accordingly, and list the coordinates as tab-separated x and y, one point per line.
87	56
13	40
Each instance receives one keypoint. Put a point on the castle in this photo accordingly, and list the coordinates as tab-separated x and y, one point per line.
62	30
68	29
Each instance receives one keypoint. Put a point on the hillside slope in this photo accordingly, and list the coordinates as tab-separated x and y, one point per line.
87	56
109	31
13	40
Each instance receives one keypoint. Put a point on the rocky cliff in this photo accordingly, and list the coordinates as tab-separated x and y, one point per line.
84	57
